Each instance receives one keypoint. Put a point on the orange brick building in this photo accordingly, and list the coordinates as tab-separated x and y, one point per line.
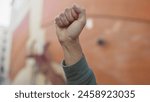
116	45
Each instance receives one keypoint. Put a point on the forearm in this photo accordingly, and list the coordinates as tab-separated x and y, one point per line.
69	26
72	51
75	66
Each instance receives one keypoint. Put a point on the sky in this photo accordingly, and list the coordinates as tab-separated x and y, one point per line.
5	12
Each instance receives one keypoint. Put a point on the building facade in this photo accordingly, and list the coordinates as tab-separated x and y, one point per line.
116	40
4	60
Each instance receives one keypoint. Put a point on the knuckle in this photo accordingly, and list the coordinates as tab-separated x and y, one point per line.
67	9
56	19
61	15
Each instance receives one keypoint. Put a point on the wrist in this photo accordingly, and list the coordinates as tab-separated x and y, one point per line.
70	42
72	51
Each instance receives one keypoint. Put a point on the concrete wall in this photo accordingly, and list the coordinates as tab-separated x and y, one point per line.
25	28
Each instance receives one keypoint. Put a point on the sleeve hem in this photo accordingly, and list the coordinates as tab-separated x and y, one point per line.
77	66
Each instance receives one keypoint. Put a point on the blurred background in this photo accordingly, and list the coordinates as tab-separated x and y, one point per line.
116	40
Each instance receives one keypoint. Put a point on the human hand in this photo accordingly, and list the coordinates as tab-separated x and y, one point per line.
70	23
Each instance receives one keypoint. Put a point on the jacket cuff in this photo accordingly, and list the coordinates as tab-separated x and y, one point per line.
77	73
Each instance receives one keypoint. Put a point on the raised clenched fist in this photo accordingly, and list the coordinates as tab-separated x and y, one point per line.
70	23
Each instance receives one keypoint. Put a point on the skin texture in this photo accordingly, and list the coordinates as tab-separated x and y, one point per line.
69	25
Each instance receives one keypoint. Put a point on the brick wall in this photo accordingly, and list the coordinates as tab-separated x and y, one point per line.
122	29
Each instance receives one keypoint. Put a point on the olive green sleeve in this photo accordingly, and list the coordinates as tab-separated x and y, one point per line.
79	73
